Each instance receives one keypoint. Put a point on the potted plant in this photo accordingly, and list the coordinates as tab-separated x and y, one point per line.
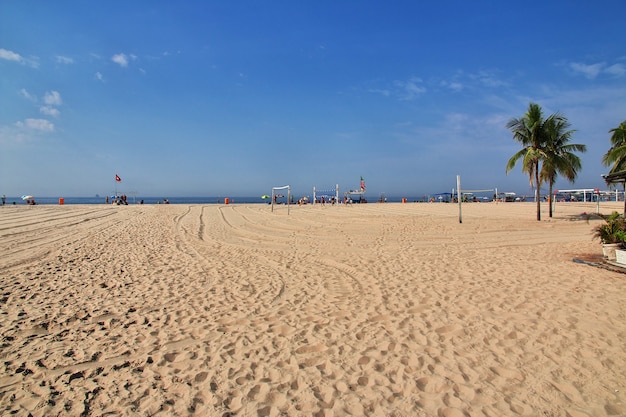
620	256
612	234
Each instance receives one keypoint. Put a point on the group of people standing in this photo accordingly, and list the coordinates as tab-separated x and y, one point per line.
118	199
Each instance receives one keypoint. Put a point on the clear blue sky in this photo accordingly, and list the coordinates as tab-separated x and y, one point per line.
206	98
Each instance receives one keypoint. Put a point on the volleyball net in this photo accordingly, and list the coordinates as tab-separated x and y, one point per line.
327	195
275	195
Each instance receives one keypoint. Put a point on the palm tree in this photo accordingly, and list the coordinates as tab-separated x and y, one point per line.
616	155
529	131
559	153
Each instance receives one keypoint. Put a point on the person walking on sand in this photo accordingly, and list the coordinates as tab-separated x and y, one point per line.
4	199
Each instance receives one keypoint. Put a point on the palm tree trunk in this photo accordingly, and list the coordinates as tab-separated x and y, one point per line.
550	198
537	193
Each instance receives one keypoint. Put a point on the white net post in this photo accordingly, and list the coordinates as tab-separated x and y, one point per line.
459	196
288	188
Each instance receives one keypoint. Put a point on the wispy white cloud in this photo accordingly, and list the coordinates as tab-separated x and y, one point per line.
407	90
28	95
403	90
64	59
463	80
453	85
99	76
52	98
122	59
488	78
592	71
410	89
456	120
458	136
10	55
49	111
25	131
15	57
41	125
618	70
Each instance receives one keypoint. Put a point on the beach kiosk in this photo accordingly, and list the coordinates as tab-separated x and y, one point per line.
615	178
348	195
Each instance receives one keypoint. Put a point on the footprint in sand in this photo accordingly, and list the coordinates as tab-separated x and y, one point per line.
430	384
311	349
507	373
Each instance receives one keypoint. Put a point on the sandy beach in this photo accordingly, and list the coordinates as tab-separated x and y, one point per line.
363	310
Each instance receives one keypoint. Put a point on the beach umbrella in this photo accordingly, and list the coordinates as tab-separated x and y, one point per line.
27	197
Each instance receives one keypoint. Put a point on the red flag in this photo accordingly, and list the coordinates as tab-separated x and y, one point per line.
117	178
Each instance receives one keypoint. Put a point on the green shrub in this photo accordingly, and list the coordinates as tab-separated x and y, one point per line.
613	230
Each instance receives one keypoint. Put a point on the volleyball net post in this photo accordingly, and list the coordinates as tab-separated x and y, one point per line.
459	194
284	187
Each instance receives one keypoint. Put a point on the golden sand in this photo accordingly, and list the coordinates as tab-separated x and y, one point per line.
363	310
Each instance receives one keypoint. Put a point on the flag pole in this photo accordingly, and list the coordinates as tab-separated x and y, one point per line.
117	179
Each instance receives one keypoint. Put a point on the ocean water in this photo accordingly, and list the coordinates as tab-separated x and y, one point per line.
189	200
136	200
